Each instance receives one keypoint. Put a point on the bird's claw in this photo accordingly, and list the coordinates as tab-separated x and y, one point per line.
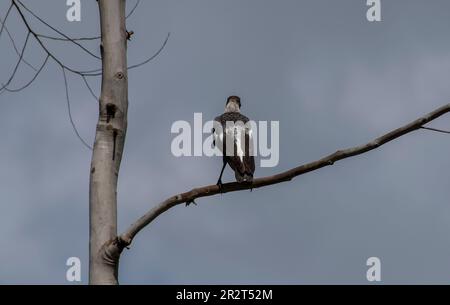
191	201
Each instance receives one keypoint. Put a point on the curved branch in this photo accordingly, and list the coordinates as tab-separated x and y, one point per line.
6	17
133	9
14	44
153	56
74	127
16	67
126	238
32	79
89	88
96	72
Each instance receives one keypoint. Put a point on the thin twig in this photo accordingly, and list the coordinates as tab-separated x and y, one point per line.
437	130
6	17
152	57
16	67
32	80
70	40
70	112
89	88
133	9
15	46
94	72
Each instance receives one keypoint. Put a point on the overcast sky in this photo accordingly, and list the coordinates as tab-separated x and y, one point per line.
331	78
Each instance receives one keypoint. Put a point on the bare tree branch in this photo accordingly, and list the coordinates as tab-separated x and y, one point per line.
55	29
88	38
15	46
17	4
96	72
32	79
46	50
66	85
6	17
69	39
133	9
89	88
126	238
16	67
153	56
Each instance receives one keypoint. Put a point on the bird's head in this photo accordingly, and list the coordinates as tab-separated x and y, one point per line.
233	104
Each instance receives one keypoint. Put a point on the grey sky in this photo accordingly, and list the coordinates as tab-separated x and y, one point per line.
331	78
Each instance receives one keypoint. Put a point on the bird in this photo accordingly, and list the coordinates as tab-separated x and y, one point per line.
240	158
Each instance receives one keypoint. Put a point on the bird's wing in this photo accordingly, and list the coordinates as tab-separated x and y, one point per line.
249	159
238	167
217	132
237	159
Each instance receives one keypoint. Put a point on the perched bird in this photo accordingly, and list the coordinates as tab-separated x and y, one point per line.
239	157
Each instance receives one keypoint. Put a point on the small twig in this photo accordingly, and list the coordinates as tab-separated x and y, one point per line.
6	17
70	39
89	88
154	55
15	46
16	67
96	73
434	129
70	112
32	80
133	9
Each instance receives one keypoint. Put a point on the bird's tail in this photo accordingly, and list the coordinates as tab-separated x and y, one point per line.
243	177
248	177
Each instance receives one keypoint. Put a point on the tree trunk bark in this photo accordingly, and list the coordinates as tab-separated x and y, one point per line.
109	144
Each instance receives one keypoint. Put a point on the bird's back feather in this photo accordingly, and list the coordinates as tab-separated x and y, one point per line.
240	160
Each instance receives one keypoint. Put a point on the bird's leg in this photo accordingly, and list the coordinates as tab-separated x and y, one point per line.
219	182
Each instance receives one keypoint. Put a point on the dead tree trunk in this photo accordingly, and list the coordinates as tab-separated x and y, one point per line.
109	144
